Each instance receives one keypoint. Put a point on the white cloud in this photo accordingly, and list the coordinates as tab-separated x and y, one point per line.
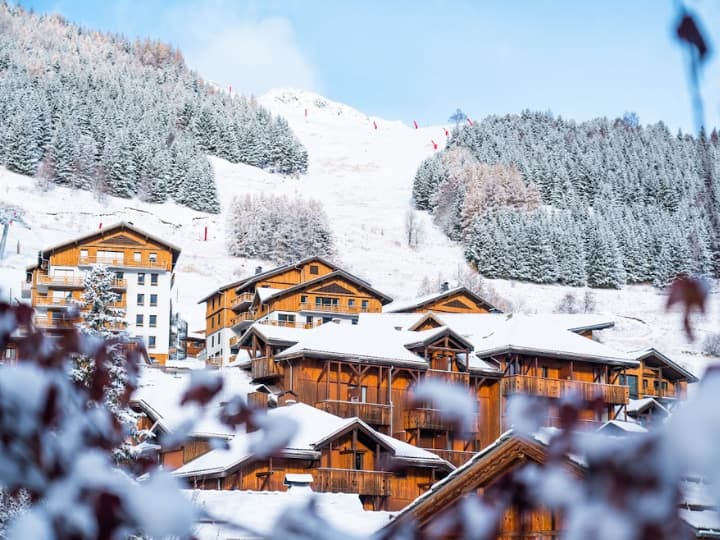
250	54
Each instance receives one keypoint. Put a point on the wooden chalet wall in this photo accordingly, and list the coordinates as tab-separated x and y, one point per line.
654	380
479	477
349	299
352	462
177	457
310	270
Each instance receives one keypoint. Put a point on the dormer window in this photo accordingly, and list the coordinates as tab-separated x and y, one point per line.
314	269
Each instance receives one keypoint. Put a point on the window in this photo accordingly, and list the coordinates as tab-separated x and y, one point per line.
632	382
303	299
212	341
83	253
140	299
544	372
363	394
139	319
351	302
314	269
137	256
286	319
355	320
325	301
141	278
153	257
358	461
119	275
153	300
153	279
151	342
153	321
364	305
645	384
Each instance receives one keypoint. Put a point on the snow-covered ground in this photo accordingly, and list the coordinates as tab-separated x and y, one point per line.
364	177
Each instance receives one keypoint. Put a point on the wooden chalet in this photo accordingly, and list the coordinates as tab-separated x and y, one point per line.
305	294
456	300
143	265
369	370
343	455
657	377
434	513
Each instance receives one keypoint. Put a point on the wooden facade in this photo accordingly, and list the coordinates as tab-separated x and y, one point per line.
353	460
458	300
658	377
56	280
478	476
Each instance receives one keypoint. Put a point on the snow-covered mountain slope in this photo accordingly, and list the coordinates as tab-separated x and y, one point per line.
363	176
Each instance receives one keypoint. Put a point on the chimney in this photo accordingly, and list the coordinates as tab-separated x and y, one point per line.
298	483
258	270
445	287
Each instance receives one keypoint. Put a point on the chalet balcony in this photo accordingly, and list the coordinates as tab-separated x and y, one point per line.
352	481
243	301
289	324
67	303
555	388
51	323
264	368
456	457
333	308
45	282
425	418
457	377
114	262
242	319
372	413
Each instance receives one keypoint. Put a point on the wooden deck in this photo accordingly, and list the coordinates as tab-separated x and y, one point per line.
372	413
555	388
352	481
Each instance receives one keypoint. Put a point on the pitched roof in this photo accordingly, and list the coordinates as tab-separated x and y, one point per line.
283	268
435	297
278	293
679	371
314	428
385	345
218	291
121	226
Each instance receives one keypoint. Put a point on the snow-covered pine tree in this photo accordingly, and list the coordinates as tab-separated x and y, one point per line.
104	320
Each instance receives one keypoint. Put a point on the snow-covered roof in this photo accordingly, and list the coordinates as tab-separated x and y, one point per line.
679	370
698	507
434	297
187	363
314	427
266	292
522	334
639	406
273	333
619	425
356	342
159	394
259	511
244	283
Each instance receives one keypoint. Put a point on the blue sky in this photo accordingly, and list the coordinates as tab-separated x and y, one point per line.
420	60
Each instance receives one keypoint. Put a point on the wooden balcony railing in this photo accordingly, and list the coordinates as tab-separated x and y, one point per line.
372	413
426	418
333	308
263	368
289	324
242	301
659	392
352	481
457	377
43	321
555	388
72	282
242	318
63	302
115	262
456	457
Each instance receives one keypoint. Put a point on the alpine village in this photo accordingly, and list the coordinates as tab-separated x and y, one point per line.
387	416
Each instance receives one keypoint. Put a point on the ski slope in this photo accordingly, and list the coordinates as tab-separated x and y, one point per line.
363	176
